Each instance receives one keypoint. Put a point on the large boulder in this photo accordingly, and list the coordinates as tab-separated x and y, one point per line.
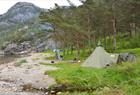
12	49
24	46
127	57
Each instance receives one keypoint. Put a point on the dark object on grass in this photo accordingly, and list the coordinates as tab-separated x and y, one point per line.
61	56
75	60
52	61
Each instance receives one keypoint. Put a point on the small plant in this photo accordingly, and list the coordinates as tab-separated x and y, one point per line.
21	62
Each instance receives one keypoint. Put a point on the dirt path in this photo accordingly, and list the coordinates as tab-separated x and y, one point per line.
19	80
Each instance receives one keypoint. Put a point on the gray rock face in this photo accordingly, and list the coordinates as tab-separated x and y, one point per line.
21	12
46	26
5	25
40	46
23	19
53	44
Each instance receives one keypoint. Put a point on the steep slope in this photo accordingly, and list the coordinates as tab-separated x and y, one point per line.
22	22
21	12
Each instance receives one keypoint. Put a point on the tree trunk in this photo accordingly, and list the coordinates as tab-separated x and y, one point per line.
133	29
64	52
114	33
78	51
110	40
71	48
120	39
105	40
94	41
89	42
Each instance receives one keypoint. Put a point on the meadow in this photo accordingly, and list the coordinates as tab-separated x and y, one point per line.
120	79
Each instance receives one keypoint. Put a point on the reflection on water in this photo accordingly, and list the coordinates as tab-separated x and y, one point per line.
6	59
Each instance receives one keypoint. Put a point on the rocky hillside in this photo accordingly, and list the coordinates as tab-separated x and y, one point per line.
20	13
21	23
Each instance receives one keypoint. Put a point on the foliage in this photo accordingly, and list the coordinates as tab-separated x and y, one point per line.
95	20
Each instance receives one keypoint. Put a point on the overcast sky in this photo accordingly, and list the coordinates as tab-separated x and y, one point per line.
6	4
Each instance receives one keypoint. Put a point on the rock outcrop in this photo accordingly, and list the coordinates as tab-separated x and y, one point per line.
21	12
22	20
127	57
21	48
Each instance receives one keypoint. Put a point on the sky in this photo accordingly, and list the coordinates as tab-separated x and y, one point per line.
6	4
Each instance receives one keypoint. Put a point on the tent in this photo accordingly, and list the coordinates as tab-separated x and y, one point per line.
100	58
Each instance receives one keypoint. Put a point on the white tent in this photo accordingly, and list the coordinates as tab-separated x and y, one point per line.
100	58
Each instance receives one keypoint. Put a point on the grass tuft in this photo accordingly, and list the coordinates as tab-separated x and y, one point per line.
21	62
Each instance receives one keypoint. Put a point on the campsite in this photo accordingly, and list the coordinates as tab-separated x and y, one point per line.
70	47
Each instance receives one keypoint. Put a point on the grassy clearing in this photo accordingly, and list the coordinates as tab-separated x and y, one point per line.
123	79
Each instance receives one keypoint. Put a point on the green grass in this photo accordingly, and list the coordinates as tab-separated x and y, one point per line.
23	61
83	55
68	55
123	79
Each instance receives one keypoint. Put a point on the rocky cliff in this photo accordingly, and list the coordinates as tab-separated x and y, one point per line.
21	13
21	22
